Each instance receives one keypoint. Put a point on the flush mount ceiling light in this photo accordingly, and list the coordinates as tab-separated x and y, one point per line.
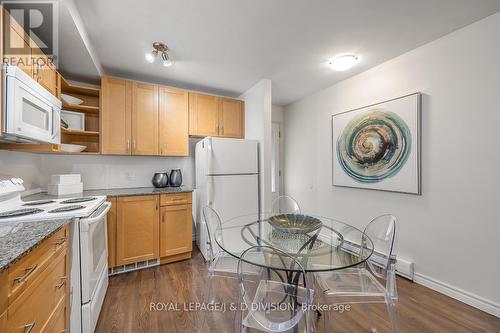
159	49
343	62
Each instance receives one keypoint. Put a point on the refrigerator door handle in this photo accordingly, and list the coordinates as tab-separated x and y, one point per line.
210	155
210	191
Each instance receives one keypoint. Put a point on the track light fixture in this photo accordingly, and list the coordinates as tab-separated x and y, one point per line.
159	49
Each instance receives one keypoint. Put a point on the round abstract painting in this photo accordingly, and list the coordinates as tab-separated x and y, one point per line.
374	146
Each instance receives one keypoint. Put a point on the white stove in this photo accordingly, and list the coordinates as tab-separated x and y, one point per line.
19	210
13	208
89	248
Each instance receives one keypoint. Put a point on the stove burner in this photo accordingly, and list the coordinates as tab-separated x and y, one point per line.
20	212
66	209
37	203
78	200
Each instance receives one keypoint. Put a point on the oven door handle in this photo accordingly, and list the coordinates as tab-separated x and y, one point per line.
92	220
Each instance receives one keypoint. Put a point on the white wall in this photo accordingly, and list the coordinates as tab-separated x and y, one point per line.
258	110
452	231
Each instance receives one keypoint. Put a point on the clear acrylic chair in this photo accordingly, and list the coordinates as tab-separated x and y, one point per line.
285	204
278	299
374	281
219	261
222	275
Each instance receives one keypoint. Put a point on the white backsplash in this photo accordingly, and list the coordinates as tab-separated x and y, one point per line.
98	171
23	165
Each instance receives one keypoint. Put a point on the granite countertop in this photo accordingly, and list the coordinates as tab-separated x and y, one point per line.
19	238
114	192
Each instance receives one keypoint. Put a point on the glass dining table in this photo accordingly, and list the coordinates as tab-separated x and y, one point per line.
319	243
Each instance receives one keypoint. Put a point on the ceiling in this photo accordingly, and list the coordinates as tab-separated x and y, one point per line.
75	61
226	46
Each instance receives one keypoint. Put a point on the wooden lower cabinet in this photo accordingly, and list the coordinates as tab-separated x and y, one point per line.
175	230
3	322
59	318
140	230
42	306
137	229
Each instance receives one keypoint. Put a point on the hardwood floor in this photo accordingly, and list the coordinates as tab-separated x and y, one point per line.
137	302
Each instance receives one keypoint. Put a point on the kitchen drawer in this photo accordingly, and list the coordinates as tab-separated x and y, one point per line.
4	291
36	305
22	274
3	322
175	199
58	321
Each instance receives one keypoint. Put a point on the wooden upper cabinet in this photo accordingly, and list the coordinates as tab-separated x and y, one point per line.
44	71
32	60
17	41
116	113
144	119
137	229
175	230
231	118
215	116
173	122
203	115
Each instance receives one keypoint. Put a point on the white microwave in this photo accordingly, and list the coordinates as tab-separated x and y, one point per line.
31	114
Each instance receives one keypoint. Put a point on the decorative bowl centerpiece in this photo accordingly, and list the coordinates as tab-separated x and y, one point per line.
294	223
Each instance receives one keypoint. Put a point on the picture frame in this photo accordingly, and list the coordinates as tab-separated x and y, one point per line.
377	147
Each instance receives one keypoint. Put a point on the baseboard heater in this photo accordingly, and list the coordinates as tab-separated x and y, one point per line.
133	267
404	267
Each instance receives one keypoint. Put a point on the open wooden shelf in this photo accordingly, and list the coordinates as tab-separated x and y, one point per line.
80	108
90	137
75	132
43	148
70	89
91	108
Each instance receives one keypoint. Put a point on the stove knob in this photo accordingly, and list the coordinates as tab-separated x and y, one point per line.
20	181
14	181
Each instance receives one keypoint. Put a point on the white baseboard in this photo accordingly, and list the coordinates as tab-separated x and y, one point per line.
461	295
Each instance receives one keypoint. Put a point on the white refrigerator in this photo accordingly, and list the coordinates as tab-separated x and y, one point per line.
227	179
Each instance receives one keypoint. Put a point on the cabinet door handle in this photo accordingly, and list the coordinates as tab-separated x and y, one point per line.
163	218
61	241
133	145
27	273
128	146
222	129
62	283
29	327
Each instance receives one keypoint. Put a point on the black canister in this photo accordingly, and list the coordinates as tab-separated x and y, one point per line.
160	179
176	178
